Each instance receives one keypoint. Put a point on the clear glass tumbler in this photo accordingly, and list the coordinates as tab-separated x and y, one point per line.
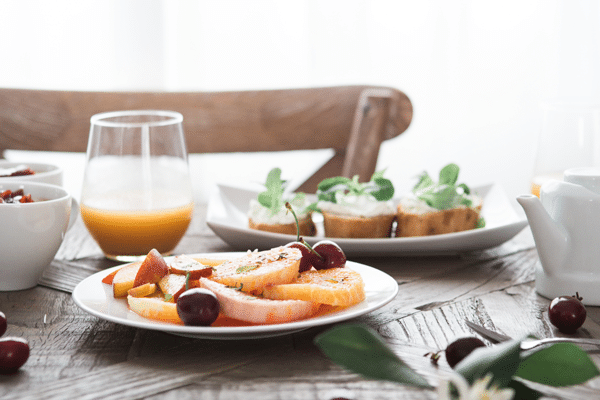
137	192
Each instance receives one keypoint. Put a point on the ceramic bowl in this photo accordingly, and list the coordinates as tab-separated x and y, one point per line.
44	173
31	232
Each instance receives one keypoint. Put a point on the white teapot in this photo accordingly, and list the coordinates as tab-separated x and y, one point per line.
565	222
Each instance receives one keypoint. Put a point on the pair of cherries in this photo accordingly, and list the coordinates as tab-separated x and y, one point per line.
14	351
324	254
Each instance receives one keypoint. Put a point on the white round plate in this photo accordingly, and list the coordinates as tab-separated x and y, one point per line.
96	298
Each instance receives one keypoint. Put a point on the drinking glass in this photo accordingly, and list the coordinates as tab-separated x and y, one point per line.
569	138
137	193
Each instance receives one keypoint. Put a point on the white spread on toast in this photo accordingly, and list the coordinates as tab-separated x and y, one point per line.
262	215
357	206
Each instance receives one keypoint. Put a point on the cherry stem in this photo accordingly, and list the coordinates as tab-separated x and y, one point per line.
289	207
578	297
311	249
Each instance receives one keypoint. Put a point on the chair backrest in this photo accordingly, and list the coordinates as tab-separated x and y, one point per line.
351	120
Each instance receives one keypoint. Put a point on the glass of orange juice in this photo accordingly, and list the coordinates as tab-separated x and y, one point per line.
569	138
137	192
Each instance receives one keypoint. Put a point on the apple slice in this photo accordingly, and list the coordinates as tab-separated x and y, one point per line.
184	265
153	268
142	291
154	308
172	285
124	278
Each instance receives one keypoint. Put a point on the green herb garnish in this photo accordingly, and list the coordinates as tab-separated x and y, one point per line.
379	187
272	198
444	194
246	268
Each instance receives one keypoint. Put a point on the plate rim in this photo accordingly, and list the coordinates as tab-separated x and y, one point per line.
234	332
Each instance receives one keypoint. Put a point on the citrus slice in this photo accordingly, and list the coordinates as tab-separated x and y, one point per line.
334	286
253	271
154	308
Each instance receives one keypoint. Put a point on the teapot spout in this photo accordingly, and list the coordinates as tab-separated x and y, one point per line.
551	239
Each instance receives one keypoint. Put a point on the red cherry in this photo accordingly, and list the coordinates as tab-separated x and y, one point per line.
3	323
331	254
307	255
14	352
567	313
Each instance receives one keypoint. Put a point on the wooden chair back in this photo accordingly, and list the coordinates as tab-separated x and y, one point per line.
351	120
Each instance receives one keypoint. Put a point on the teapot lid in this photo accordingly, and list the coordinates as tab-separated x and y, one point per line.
589	178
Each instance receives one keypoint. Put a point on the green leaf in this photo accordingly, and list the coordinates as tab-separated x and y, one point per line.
562	364
359	349
329	183
523	392
266	199
502	360
424	182
449	174
274	179
385	189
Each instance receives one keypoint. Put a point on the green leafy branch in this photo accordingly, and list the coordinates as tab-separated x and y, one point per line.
360	350
445	193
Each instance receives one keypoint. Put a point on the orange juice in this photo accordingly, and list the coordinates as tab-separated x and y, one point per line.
135	233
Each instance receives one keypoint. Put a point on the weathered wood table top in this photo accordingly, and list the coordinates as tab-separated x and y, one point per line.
75	355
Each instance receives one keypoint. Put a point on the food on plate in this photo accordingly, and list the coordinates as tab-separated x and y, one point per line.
152	270
352	209
333	286
257	288
18	196
198	307
256	270
19	170
257	310
324	254
439	207
268	212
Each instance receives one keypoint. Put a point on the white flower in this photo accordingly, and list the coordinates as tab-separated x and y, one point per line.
479	390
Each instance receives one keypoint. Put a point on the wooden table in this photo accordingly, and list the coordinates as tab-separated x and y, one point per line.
76	355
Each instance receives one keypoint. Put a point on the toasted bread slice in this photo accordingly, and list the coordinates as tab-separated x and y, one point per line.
334	286
344	226
245	307
413	221
253	271
306	226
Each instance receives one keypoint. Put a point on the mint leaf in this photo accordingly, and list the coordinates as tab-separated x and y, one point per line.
562	364
379	187
449	174
359	349
272	198
445	194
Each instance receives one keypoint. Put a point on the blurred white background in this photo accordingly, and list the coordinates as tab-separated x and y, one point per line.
476	71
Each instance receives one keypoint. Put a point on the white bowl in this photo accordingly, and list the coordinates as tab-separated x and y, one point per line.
44	173
31	232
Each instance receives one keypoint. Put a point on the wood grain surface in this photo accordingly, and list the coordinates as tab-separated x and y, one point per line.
76	355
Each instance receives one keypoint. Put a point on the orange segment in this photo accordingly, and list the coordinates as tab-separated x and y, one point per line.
254	271
334	286
154	308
